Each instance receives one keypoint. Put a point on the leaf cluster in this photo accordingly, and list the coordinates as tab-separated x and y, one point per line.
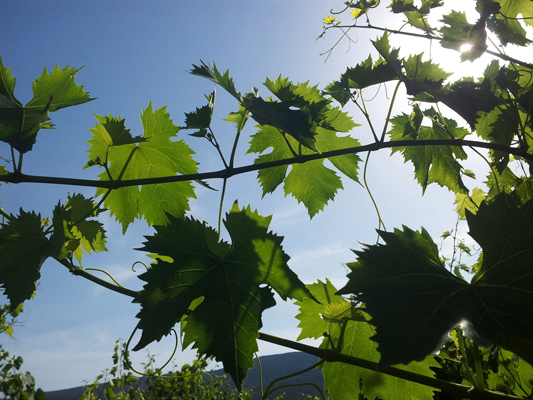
405	300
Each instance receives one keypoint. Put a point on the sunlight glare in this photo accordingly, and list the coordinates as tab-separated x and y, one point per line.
465	48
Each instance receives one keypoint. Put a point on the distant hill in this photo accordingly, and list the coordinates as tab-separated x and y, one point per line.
273	366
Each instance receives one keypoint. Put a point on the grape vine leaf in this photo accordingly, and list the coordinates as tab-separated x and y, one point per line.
90	233
344	381
281	115
508	182
428	300
23	250
201	118
155	155
312	182
212	73
51	91
469	202
301	111
505	24
229	277
453	30
361	76
432	163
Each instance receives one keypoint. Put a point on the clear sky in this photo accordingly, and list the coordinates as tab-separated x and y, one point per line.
136	51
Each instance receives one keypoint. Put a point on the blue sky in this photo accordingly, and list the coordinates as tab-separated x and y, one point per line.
134	52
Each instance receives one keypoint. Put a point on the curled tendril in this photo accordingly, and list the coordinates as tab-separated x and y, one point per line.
160	369
377	92
339	12
138	262
105	272
270	390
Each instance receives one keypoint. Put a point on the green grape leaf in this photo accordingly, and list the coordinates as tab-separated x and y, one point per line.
454	30
505	24
57	89
229	277
401	6
518	346
211	72
72	229
418	71
268	137
89	233
311	183
468	202
23	250
201	118
361	76
296	123
512	8
344	381
408	293
417	19
302	111
499	126
61	238
508	182
157	156
113	132
7	88
429	301
19	124
432	163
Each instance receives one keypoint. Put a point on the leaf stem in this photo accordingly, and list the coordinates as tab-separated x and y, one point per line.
105	272
366	115
288	143
479	369
15	171
464	359
108	285
215	143
220	209
390	111
380	221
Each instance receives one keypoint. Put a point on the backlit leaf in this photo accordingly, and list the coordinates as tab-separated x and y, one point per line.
211	72
23	250
344	381
432	163
311	183
155	156
361	76
228	276
429	301
19	124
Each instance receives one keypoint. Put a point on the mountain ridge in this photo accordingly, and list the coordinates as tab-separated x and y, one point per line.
273	366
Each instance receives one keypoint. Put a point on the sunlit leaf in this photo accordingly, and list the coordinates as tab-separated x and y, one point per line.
344	381
211	72
51	91
156	156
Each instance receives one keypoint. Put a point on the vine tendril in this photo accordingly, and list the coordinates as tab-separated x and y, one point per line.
160	369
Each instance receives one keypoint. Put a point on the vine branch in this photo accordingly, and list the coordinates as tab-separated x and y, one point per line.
229	172
433	37
330	355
